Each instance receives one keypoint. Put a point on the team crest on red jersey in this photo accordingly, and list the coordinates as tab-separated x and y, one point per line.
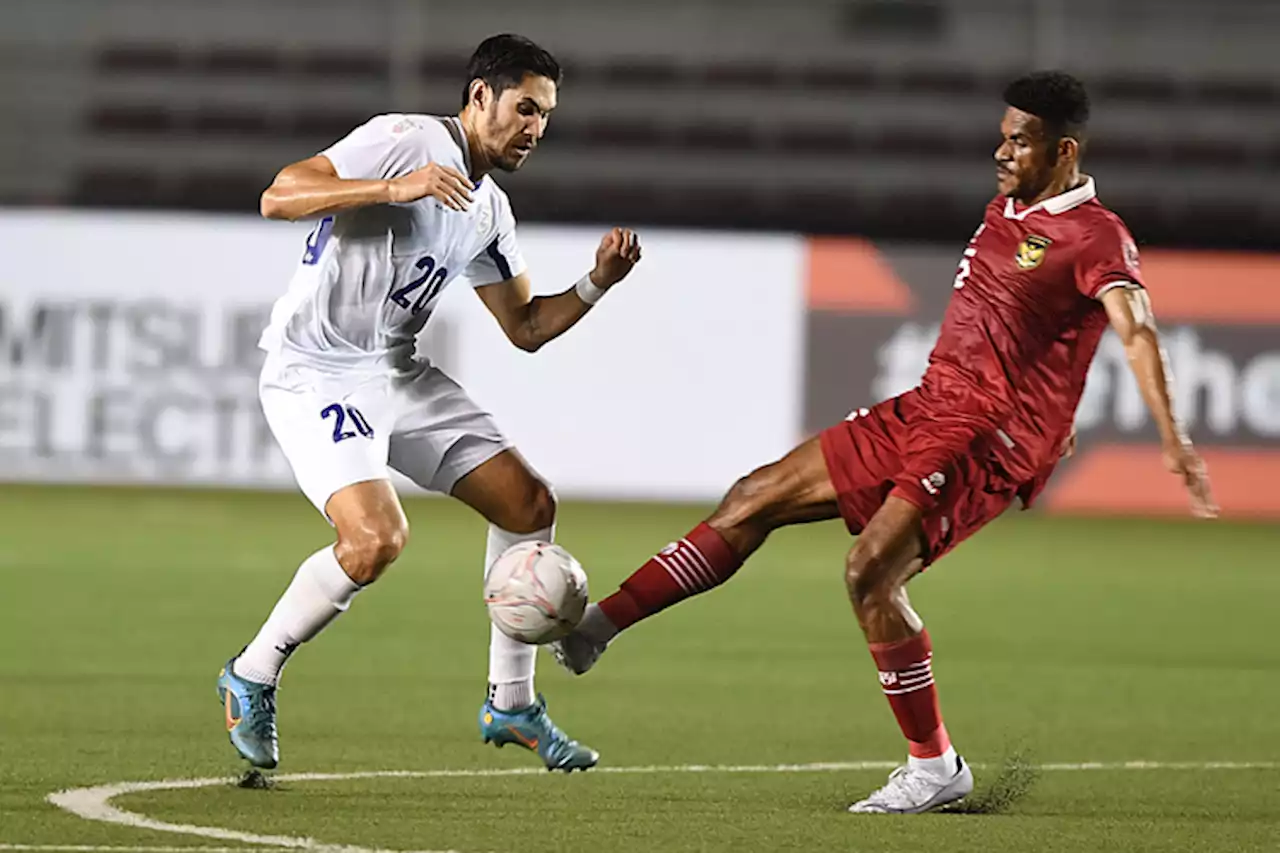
1030	252
1130	255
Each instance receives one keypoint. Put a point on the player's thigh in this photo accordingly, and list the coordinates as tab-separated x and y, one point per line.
795	489
334	432
988	493
441	435
863	454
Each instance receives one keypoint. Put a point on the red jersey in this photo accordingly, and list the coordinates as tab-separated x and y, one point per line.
1024	322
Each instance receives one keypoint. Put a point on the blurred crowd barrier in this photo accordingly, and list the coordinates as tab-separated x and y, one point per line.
873	117
128	353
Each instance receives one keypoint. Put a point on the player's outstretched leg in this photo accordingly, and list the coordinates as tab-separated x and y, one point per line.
888	553
794	490
371	531
520	507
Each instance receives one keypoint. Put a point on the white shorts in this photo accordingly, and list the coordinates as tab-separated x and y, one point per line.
337	430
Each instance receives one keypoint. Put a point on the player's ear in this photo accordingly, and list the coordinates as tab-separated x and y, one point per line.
1069	149
479	93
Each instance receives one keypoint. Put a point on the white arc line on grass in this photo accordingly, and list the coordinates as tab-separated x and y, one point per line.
95	803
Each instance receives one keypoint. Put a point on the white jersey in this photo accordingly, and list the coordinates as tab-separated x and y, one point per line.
369	278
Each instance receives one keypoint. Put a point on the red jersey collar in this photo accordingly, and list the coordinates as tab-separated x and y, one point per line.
1055	204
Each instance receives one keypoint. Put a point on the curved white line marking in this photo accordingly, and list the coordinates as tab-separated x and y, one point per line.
95	803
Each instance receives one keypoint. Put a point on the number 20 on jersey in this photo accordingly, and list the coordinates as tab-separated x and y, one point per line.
437	276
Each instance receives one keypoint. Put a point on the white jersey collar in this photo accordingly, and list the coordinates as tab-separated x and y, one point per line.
1055	204
454	125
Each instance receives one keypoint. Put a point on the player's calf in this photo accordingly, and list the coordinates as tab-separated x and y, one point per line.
888	554
747	514
371	533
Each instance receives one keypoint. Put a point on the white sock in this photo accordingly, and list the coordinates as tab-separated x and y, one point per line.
943	766
596	627
318	593
511	696
511	662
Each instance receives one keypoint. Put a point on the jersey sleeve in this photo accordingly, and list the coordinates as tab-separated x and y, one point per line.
501	258
1108	259
386	146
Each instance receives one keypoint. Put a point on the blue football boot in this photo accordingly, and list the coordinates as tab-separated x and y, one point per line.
251	717
532	728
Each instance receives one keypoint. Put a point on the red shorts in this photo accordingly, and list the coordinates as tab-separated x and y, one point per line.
937	461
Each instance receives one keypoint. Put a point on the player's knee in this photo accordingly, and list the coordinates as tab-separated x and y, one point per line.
367	551
868	574
749	501
541	508
536	510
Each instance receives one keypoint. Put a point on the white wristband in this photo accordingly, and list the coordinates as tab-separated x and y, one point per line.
587	291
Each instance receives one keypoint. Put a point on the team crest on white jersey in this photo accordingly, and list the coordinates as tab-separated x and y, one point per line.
484	219
1031	252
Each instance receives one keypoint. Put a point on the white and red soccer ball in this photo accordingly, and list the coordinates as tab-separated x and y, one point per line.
536	592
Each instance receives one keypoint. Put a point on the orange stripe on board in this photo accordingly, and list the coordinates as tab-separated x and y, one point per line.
849	274
1131	480
1210	287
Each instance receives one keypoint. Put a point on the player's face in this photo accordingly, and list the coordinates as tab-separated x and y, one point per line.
511	124
1024	161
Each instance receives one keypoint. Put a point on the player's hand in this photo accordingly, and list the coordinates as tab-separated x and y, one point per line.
1182	459
619	251
443	183
1068	448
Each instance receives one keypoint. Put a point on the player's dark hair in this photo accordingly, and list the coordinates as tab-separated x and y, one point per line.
502	61
1056	98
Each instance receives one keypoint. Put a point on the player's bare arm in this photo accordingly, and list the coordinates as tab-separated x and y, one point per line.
312	187
530	321
1130	314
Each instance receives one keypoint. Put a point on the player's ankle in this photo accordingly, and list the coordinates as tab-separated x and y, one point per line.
943	765
257	672
619	611
512	695
596	625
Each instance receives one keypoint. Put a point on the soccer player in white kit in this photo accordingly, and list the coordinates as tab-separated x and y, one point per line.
407	205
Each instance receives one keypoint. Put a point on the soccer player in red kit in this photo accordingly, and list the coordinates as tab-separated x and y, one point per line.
1040	281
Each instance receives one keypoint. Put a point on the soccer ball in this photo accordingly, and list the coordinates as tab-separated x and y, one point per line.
536	592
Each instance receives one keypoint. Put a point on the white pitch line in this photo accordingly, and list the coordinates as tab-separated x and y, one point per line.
95	803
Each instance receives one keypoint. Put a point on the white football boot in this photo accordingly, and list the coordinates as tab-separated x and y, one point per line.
576	652
913	789
582	647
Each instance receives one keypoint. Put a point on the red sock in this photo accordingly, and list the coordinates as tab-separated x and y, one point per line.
696	563
906	674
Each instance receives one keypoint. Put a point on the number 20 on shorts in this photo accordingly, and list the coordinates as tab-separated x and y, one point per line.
340	415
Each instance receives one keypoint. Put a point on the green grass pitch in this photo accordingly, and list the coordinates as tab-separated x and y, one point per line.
1076	640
